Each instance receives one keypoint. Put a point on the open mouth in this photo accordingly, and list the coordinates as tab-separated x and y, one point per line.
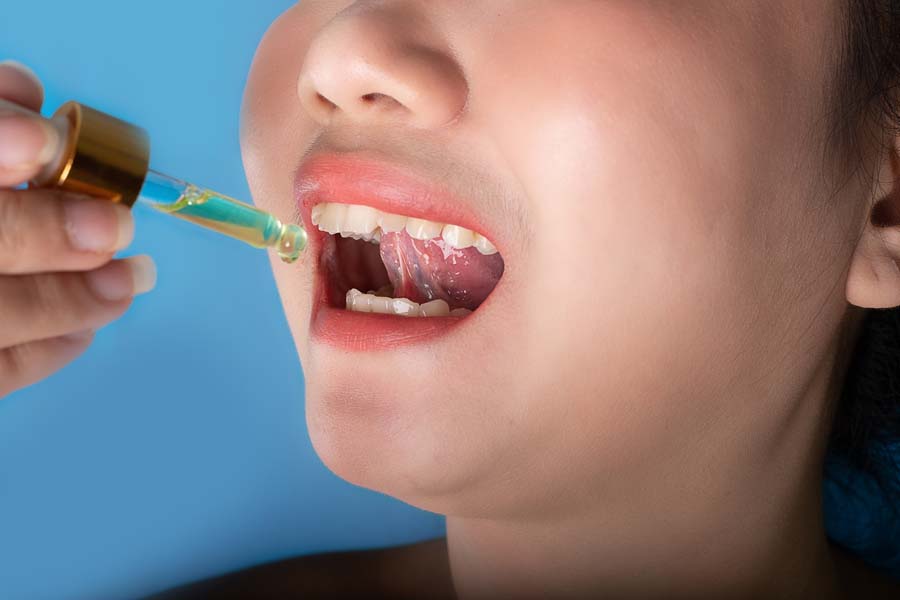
381	263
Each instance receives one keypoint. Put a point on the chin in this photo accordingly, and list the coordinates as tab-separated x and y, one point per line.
366	438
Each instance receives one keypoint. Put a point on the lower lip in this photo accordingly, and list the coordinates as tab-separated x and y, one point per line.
362	332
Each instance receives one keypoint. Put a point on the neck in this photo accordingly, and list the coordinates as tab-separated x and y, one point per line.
742	520
749	555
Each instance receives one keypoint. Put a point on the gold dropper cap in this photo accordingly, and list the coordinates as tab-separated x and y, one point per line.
101	155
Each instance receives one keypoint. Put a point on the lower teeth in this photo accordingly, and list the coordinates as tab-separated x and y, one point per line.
371	303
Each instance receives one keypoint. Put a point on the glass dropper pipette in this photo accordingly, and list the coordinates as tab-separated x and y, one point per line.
223	214
105	157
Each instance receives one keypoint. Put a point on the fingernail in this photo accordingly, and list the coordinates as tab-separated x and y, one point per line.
123	278
25	142
143	272
97	225
23	69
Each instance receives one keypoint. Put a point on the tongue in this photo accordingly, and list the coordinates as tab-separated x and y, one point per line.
424	270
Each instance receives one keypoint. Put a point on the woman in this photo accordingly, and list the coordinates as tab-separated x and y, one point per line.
670	220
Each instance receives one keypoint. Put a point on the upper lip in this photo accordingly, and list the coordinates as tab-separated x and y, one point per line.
353	178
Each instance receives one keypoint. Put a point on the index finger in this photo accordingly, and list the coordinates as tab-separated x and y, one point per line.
19	84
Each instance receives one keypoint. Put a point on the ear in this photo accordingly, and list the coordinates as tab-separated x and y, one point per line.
874	278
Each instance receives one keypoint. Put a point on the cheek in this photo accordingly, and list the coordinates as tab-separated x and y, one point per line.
652	263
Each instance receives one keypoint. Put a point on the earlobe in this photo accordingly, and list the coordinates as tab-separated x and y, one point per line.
874	277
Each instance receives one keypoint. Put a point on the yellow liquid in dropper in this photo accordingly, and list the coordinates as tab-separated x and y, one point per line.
238	220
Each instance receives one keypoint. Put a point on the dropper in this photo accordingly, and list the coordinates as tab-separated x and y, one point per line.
223	214
102	156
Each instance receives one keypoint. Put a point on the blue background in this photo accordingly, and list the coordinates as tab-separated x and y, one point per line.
176	447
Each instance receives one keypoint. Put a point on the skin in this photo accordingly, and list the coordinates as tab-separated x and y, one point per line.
684	278
58	282
683	282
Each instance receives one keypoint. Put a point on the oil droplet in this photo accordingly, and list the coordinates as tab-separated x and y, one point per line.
292	243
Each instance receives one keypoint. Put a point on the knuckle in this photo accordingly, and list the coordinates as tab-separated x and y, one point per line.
53	300
45	299
13	234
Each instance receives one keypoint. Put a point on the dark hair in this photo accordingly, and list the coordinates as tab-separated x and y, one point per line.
866	428
869	73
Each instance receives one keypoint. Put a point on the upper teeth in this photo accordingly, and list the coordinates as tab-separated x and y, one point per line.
367	223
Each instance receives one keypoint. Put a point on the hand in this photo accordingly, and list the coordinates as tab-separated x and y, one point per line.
58	282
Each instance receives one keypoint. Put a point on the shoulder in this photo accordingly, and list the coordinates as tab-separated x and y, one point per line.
411	571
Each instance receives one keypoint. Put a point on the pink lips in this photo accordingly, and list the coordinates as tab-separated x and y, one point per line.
353	179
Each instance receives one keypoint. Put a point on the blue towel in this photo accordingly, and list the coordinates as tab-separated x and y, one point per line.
859	516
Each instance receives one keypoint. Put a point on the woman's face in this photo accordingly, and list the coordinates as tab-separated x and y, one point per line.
651	173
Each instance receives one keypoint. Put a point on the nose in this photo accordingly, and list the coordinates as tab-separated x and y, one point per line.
374	64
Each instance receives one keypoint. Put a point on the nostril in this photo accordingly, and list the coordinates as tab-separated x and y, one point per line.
325	102
371	98
381	100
